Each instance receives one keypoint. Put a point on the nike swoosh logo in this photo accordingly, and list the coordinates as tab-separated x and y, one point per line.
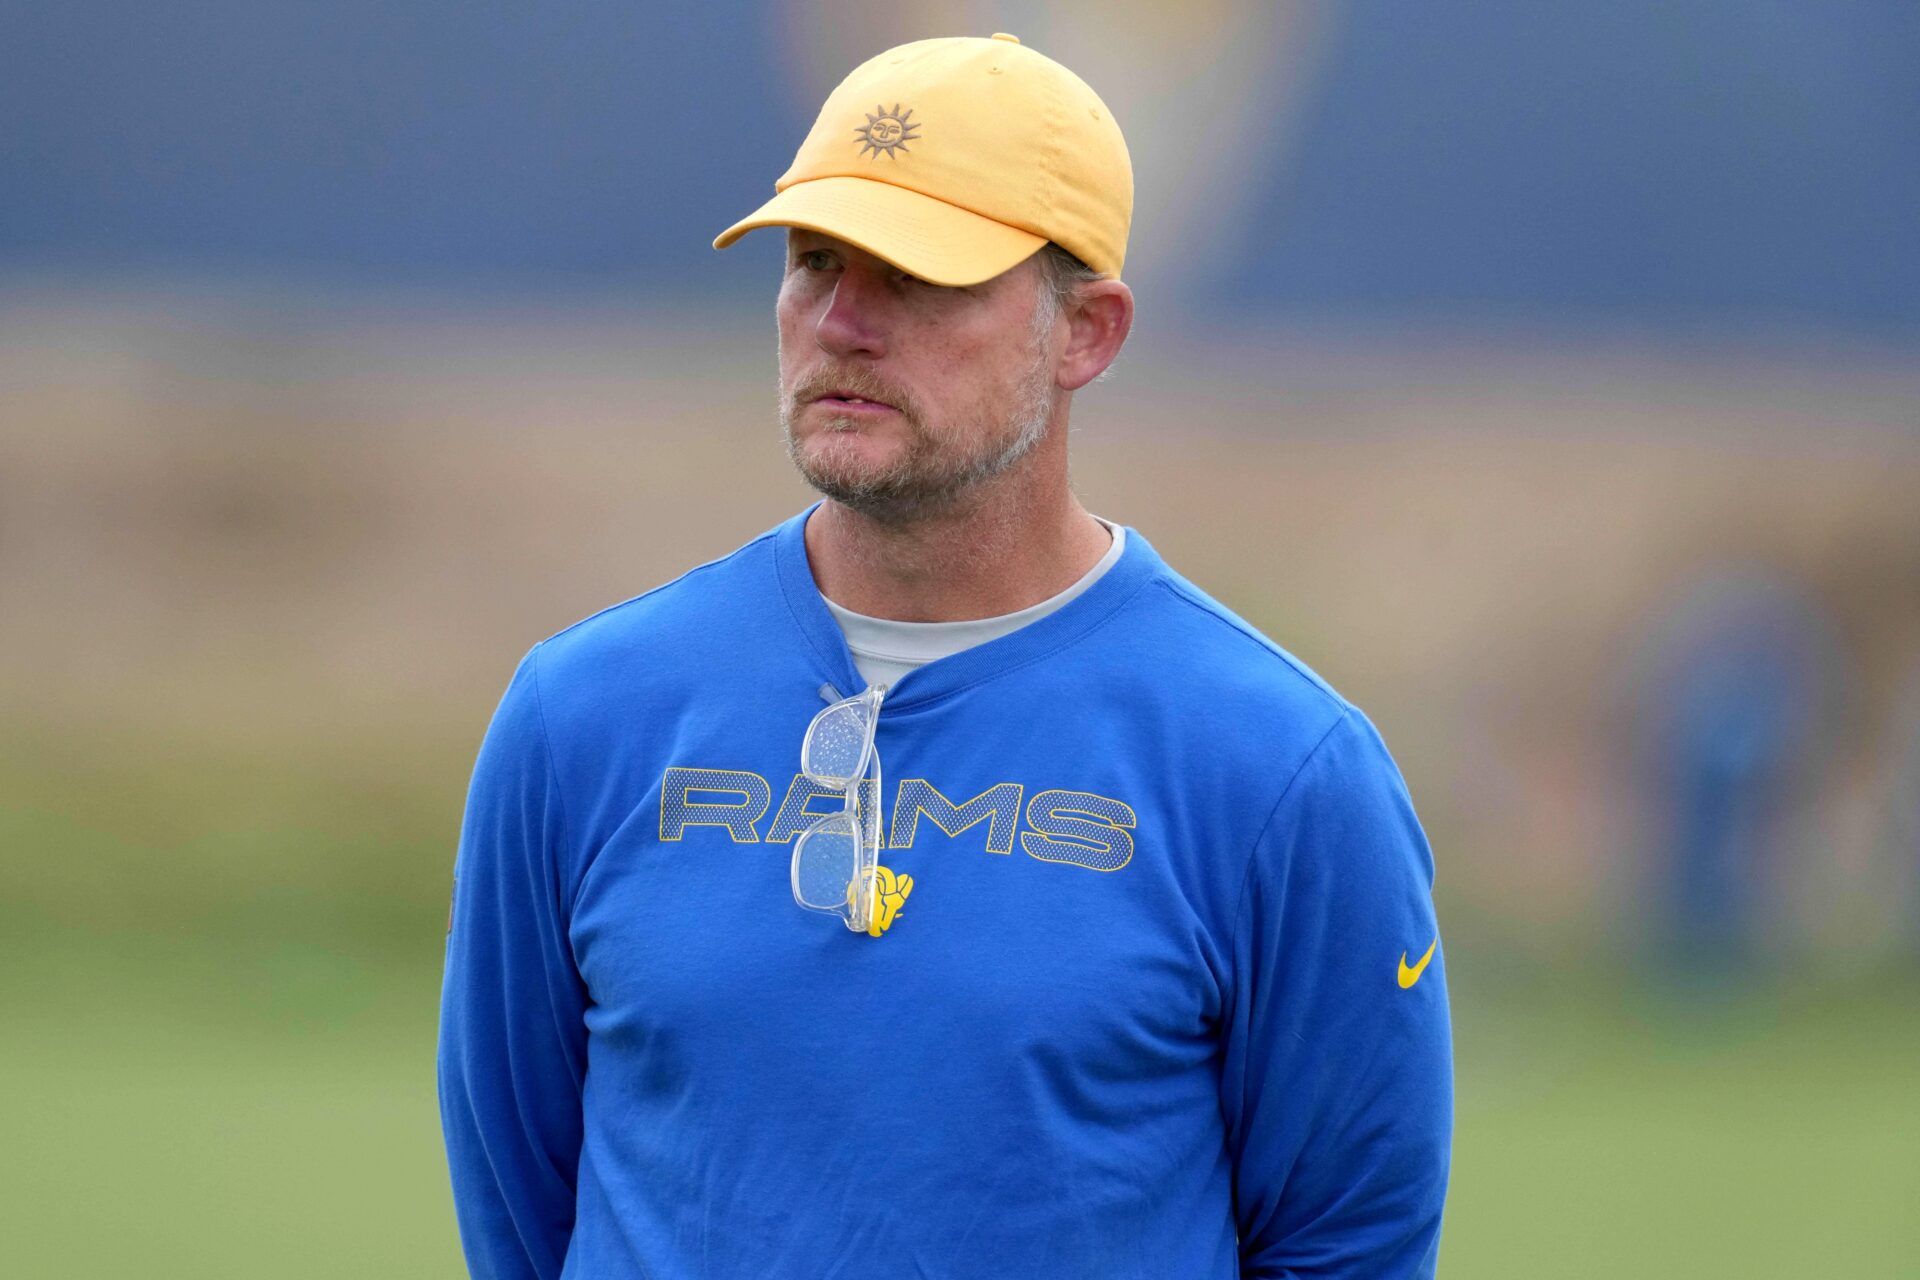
1409	976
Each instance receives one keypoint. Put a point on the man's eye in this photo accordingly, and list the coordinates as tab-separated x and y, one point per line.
816	260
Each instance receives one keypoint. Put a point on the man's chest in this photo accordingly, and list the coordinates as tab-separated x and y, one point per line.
1063	905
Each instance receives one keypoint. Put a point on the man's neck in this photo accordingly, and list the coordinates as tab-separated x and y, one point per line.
998	553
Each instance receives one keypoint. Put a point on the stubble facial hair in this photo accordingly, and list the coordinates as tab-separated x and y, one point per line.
927	479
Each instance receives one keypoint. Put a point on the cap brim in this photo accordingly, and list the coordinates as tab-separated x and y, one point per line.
939	242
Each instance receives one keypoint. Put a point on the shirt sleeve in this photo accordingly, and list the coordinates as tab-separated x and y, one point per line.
512	1050
1337	1078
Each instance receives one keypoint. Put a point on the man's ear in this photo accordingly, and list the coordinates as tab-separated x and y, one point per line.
1099	316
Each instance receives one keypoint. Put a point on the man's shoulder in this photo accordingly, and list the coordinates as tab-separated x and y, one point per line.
663	626
1225	658
1260	711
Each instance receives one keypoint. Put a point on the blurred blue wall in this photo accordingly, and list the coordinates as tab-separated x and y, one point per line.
434	140
1637	160
1652	158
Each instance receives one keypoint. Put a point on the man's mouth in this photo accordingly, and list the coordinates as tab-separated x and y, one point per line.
846	400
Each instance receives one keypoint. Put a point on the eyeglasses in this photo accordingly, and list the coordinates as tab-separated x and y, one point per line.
836	859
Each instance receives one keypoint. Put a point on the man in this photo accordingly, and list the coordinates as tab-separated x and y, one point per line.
1139	974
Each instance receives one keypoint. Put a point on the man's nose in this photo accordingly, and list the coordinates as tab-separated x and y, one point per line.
855	319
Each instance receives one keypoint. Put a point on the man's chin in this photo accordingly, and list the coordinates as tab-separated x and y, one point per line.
885	495
855	486
846	459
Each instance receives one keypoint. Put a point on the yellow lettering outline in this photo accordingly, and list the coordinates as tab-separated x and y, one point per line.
908	812
1058	804
731	816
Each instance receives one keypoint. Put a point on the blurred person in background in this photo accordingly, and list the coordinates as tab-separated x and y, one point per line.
1743	671
1148	983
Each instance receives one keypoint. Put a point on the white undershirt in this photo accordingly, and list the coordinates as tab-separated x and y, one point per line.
884	650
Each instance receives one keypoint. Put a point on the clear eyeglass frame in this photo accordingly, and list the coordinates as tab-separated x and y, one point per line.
835	858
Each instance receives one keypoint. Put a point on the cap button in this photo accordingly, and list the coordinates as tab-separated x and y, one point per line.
1001	35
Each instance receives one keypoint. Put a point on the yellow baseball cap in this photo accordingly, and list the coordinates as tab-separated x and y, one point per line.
956	159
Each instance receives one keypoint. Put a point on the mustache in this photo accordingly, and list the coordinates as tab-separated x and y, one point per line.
855	381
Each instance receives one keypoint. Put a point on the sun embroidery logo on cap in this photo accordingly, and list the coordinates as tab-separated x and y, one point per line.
886	132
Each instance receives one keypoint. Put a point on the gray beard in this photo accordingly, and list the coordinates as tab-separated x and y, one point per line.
924	482
917	486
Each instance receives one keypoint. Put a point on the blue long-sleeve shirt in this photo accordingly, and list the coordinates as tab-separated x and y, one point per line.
1165	1000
